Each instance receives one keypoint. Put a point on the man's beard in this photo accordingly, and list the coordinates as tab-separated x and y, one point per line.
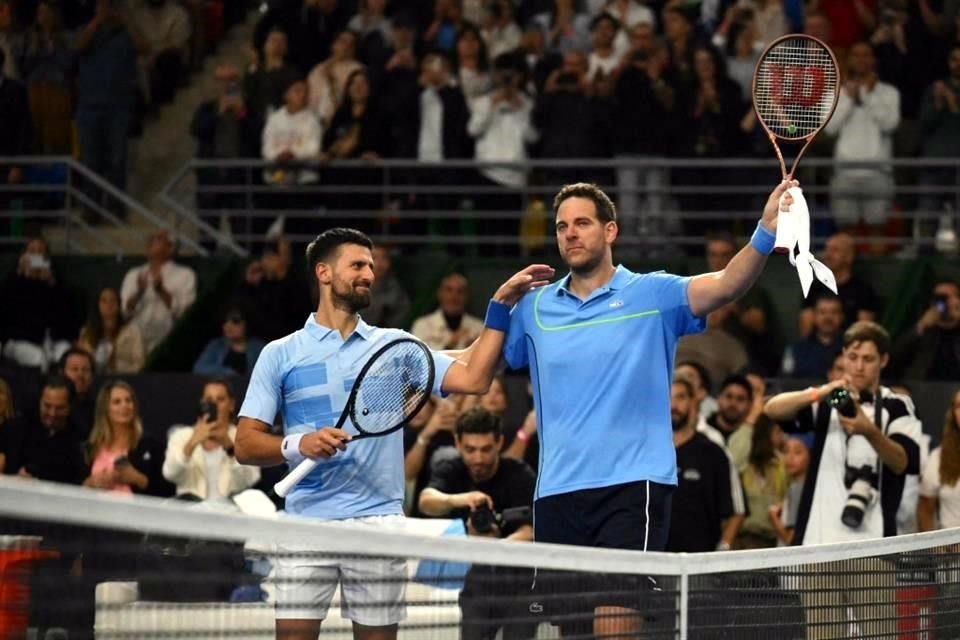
587	267
733	419
678	422
346	296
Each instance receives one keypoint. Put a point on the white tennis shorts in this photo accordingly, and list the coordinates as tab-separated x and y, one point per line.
371	589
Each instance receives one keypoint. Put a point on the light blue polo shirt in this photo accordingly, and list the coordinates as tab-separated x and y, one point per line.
601	370
307	377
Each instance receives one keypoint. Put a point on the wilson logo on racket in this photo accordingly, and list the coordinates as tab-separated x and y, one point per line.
796	86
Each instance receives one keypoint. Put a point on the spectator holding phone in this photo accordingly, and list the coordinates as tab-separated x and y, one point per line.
931	349
121	457
199	459
37	326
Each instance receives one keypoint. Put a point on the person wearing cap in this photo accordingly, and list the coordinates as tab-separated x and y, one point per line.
233	353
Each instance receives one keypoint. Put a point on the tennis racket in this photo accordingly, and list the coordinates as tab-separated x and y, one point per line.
392	387
796	84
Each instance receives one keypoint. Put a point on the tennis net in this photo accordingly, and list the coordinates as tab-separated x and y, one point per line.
77	563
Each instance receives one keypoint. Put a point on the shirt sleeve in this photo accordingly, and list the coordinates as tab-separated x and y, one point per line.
670	294
441	363
515	343
930	477
905	430
262	400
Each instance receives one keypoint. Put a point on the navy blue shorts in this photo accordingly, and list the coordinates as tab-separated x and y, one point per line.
634	516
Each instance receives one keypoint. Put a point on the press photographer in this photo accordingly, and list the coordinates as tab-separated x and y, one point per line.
493	495
866	440
863	448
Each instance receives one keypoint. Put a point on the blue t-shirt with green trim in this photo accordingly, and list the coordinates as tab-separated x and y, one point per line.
601	370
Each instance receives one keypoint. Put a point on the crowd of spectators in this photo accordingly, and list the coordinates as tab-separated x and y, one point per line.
506	80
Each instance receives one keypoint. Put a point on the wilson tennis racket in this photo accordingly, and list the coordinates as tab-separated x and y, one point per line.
392	387
796	85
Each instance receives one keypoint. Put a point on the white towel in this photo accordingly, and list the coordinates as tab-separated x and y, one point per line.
793	231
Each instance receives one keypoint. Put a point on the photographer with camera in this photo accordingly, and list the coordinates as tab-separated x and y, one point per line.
866	440
200	459
931	349
493	495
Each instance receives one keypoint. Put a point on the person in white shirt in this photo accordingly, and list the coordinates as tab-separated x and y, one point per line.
939	504
292	133
199	459
501	32
500	123
156	294
450	326
605	57
867	114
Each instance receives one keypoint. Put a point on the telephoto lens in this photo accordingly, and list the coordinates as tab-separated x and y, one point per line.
842	401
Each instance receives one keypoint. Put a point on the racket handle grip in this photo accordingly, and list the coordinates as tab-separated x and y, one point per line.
293	478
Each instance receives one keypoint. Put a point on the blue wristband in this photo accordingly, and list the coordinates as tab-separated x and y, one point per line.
762	240
498	316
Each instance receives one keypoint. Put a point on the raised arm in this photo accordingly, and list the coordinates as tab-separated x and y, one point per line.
475	367
785	406
710	291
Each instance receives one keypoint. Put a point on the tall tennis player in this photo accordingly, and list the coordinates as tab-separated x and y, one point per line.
600	347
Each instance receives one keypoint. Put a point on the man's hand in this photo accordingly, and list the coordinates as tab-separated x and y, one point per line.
860	424
771	210
471	500
532	277
775	512
254	273
324	443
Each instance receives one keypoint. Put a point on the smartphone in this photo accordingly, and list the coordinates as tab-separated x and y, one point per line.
36	261
122	461
208	410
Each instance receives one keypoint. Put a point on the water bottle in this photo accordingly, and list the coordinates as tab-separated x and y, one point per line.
945	240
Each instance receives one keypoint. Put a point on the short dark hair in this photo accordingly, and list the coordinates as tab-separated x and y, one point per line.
829	297
866	331
600	17
76	351
684	382
739	380
329	242
946	280
60	381
223	382
479	421
722	236
701	370
606	211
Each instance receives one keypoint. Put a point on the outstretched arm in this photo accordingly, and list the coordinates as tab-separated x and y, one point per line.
710	291
474	369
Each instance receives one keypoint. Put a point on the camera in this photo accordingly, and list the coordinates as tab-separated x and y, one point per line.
841	400
483	519
860	482
208	410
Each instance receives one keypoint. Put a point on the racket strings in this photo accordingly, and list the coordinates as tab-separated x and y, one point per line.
393	388
795	87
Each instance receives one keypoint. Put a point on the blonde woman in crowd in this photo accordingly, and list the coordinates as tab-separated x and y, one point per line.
939	504
120	456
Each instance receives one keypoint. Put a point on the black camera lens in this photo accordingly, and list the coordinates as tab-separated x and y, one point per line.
841	400
482	519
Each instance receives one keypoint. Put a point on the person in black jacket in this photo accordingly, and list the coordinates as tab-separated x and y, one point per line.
930	350
37	324
224	129
47	445
573	121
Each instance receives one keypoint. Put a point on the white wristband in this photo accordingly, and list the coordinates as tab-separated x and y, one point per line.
290	448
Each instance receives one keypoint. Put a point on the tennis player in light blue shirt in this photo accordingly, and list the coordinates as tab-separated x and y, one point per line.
600	347
306	378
